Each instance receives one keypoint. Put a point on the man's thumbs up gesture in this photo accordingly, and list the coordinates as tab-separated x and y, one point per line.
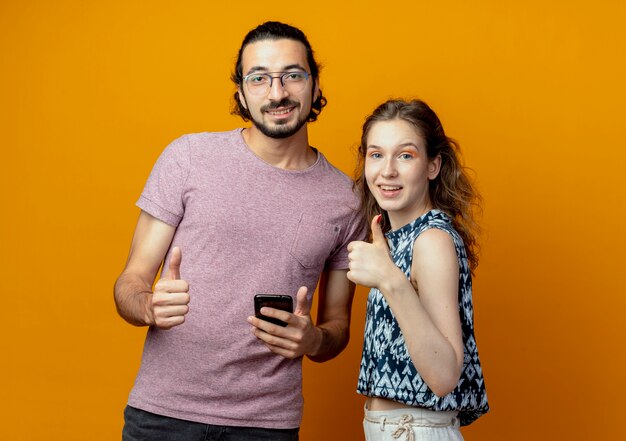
171	296
370	263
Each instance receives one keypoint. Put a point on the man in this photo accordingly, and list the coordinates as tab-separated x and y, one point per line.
231	215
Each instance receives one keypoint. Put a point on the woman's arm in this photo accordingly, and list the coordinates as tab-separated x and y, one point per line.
429	318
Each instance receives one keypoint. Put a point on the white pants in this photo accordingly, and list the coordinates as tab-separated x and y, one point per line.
411	424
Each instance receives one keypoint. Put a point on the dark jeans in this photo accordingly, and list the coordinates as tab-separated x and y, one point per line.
145	426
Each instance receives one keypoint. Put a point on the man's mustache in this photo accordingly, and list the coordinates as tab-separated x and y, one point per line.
285	102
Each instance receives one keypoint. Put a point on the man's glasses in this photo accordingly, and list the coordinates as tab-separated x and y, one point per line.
261	83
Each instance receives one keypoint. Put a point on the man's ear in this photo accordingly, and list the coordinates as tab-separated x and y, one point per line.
316	90
242	98
434	166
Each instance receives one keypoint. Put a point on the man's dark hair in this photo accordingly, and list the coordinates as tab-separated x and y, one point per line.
274	30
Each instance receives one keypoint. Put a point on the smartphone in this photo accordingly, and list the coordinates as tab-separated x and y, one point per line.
276	301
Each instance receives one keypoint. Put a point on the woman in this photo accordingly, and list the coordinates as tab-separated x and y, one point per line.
420	368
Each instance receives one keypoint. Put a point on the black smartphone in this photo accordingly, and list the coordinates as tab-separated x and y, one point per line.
276	301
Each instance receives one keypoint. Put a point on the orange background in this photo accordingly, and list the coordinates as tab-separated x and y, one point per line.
91	92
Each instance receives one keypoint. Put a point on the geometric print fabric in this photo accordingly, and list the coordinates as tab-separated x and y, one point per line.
386	369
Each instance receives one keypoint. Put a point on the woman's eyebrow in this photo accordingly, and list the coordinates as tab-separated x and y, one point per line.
404	144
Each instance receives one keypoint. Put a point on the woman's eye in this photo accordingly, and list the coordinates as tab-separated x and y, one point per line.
376	155
406	156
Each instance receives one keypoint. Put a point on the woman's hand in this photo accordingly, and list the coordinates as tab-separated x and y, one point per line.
370	263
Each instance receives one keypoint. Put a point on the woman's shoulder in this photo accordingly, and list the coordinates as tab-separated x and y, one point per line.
433	244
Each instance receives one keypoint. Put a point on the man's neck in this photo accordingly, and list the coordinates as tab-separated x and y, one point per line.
291	153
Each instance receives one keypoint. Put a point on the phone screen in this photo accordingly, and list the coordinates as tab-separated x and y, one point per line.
276	301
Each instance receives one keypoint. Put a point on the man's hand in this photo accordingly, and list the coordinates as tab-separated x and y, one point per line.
300	337
169	301
370	263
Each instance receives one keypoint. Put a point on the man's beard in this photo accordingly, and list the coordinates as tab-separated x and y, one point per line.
282	129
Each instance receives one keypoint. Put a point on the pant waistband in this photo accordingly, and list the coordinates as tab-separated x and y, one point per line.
411	416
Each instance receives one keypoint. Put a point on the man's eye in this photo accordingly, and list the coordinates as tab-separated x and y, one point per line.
294	76
257	79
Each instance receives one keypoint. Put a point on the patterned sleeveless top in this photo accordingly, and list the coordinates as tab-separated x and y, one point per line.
386	367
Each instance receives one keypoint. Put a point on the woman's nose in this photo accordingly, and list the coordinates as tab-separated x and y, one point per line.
389	169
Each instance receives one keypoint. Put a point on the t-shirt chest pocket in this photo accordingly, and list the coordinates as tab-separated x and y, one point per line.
313	241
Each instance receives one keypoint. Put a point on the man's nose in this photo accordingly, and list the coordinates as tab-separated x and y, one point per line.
277	90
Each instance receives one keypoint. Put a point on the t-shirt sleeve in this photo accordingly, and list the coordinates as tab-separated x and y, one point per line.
162	196
356	229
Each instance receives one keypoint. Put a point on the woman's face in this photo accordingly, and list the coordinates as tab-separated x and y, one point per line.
397	170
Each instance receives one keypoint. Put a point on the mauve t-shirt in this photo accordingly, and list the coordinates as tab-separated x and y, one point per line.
244	227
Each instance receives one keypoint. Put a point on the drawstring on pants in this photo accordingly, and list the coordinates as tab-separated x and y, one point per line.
408	424
404	425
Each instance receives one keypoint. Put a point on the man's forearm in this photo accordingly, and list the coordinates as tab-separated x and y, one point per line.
132	299
334	338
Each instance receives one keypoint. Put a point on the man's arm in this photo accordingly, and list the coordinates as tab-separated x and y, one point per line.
333	314
319	342
134	299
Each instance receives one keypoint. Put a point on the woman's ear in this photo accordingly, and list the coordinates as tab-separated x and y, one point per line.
434	166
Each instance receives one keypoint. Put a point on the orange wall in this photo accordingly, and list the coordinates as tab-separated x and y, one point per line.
92	91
